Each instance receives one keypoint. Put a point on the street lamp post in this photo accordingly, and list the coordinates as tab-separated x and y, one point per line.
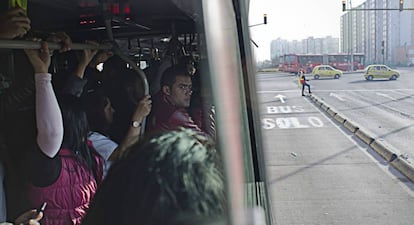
351	60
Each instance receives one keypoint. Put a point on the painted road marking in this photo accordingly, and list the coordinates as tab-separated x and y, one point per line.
386	96
356	90
336	96
292	122
284	109
281	98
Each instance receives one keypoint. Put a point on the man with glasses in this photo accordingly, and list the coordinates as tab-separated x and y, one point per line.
171	102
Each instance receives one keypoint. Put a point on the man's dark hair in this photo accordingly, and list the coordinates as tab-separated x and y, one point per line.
169	76
172	173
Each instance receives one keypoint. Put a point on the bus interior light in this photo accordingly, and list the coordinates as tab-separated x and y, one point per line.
127	9
115	8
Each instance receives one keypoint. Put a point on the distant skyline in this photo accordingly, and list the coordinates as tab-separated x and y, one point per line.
294	20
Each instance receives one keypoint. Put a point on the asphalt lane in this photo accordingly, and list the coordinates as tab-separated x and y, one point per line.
384	108
320	173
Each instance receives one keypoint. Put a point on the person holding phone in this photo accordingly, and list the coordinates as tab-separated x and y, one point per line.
31	217
64	175
49	120
14	23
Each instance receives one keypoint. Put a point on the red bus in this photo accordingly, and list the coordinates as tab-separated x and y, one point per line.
342	61
293	62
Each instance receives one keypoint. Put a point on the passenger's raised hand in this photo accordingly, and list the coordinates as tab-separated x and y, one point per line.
39	58
14	23
85	58
30	217
88	54
63	39
143	108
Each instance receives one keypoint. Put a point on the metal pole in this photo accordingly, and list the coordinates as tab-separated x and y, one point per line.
352	36
22	44
349	35
134	66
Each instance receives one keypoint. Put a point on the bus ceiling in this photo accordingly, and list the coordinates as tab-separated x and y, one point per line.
134	18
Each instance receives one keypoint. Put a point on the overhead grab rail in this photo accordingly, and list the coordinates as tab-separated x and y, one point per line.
23	44
140	73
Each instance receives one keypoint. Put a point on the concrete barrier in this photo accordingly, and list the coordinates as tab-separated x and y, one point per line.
404	167
384	150
340	118
350	126
316	100
312	97
319	104
331	112
364	136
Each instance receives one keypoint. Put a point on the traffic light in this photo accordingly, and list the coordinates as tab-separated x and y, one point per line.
344	5
401	5
264	18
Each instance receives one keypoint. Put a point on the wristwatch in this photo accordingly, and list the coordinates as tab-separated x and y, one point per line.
135	124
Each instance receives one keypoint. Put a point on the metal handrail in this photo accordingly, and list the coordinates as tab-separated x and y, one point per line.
25	44
140	73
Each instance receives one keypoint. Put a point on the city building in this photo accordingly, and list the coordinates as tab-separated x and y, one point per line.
309	45
383	35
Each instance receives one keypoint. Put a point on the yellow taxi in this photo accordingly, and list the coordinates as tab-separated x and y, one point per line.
326	71
380	72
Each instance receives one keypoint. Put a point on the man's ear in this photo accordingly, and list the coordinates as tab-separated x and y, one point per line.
166	90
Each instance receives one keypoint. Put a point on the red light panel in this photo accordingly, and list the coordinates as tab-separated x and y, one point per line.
115	8
127	9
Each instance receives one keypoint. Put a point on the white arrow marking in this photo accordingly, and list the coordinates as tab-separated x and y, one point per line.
386	96
336	96
281	98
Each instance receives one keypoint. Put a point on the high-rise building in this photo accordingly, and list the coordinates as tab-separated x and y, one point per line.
384	36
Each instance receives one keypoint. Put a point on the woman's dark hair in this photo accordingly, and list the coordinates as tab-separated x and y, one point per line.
124	89
95	103
120	82
76	129
172	173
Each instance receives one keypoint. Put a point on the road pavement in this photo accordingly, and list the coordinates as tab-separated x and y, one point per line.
318	171
381	112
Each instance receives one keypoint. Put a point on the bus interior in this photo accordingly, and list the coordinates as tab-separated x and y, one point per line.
147	33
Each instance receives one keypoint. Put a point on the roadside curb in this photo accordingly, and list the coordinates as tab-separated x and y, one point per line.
379	146
350	126
364	136
340	118
404	167
382	148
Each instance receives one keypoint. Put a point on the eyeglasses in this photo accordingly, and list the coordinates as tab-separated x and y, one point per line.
185	87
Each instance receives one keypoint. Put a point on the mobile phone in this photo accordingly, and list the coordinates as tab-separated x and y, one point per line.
41	208
20	3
